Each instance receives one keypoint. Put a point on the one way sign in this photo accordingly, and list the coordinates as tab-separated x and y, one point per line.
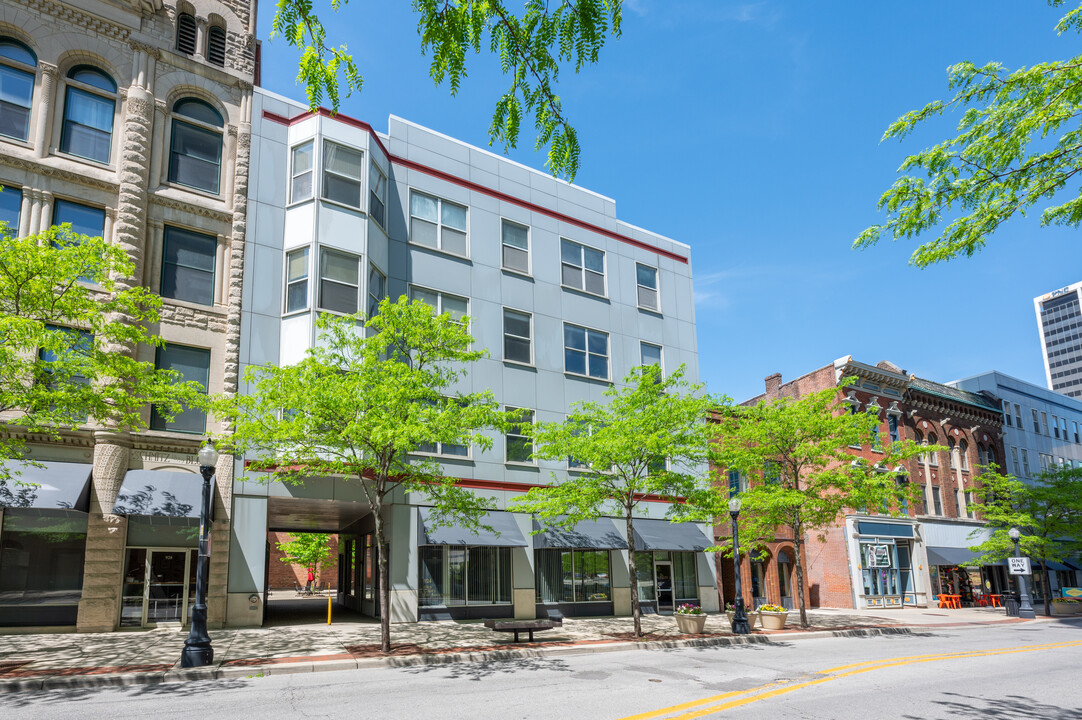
1019	565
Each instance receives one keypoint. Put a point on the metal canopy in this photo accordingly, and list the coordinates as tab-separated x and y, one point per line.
160	493
597	534
62	485
507	533
665	535
953	556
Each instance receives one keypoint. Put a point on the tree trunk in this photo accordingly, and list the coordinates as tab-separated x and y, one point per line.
636	611
384	583
798	553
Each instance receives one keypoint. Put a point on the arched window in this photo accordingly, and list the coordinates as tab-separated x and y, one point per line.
933	458
951	450
89	107
17	63
963	454
186	34
216	45
195	148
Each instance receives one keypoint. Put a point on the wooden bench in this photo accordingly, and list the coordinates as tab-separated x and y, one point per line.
517	626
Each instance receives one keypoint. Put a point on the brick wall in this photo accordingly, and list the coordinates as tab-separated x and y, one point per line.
283	575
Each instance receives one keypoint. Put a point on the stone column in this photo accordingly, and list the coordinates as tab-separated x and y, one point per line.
34	224
24	213
46	102
158	150
220	530
106	537
201	37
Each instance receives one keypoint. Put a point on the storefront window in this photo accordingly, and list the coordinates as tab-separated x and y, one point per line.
644	572
880	565
685	579
565	576
455	575
369	556
41	566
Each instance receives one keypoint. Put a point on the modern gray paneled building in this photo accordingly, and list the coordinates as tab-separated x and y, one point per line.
1059	321
565	297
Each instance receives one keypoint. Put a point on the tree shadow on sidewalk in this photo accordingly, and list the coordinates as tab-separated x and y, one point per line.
1011	707
37	698
488	668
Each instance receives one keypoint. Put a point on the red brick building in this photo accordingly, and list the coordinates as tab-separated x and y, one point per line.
872	559
282	576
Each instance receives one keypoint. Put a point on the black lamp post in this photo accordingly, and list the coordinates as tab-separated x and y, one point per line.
740	625
197	650
1025	606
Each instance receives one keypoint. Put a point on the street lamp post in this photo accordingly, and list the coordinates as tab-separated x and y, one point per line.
1025	606
740	623
197	650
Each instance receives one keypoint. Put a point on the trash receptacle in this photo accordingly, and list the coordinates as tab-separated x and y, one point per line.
1011	601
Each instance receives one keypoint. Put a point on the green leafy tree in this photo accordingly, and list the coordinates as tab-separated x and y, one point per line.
531	46
796	452
359	404
67	334
1019	143
309	550
1048	515
648	438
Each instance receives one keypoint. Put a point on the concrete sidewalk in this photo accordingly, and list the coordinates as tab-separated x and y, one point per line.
120	658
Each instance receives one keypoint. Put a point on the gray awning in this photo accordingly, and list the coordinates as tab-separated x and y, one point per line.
1073	564
951	556
507	533
665	535
53	485
598	534
1051	565
161	493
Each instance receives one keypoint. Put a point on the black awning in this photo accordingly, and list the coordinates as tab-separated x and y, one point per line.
160	493
505	531
61	485
954	556
666	535
597	534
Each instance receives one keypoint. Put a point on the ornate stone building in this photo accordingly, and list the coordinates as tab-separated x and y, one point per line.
131	120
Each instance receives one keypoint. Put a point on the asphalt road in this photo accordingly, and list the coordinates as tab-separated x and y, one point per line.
1003	672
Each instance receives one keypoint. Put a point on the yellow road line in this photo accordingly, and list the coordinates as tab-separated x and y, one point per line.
775	689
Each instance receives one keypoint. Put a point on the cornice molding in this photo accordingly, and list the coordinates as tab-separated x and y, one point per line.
41	168
174	204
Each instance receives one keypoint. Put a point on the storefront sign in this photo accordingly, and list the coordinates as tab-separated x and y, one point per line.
879	556
1019	566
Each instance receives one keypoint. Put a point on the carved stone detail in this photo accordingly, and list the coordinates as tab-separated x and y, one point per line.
95	25
48	171
207	212
111	455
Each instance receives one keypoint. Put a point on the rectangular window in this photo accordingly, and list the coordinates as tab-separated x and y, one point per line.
297	280
339	282
937	500
377	194
571	575
41	566
456	575
582	268
455	306
195	157
1014	461
89	221
444	448
188	266
193	365
11	202
437	223
1007	413
735	486
377	290
63	362
16	94
1046	461
1025	462
892	427
646	281
1055	427
518	446
343	172
517	334
1036	421
516	246
1018	416
300	187
1063	429
1044	422
586	352
1074	427
650	354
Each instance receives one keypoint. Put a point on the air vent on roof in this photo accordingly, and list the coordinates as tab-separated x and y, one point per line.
186	34
216	46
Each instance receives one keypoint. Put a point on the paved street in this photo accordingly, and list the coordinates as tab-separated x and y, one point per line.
1002	672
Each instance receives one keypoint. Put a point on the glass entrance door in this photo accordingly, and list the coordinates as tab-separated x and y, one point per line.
663	576
158	584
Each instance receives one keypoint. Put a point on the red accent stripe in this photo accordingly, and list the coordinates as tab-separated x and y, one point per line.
412	165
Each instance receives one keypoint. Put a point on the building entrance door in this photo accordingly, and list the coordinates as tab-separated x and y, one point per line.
663	580
159	586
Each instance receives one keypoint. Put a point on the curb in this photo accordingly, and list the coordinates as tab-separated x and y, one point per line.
220	672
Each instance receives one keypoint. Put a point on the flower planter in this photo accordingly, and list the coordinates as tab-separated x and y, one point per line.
753	617
690	624
1066	608
772	620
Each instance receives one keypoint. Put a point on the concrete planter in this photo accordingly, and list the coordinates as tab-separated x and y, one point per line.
753	617
1066	608
690	624
772	620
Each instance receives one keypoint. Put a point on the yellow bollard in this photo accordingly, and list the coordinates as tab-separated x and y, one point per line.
328	608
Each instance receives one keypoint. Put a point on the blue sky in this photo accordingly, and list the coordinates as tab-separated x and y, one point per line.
750	131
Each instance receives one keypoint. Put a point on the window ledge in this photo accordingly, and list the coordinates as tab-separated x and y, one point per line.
588	378
517	273
335	203
520	365
522	465
297	203
436	251
209	309
196	191
650	311
298	313
86	161
584	293
455	459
